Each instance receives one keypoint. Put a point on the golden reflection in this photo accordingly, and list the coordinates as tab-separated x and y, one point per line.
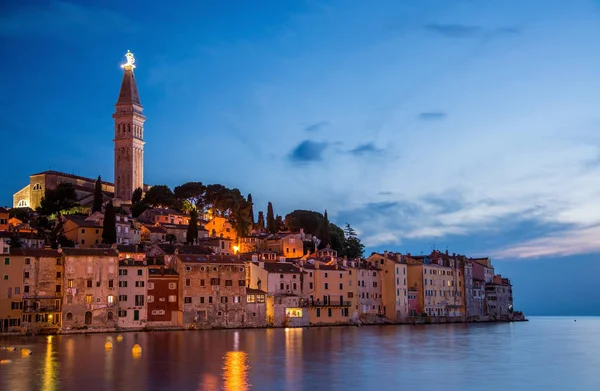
208	383
293	356
50	372
235	371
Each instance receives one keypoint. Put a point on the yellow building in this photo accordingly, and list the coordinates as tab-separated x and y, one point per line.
11	292
436	278
84	233
329	293
220	227
394	284
289	244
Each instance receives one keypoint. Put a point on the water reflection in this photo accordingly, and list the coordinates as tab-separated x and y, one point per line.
235	371
50	372
293	357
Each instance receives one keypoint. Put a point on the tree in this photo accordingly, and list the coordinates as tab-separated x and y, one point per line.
239	216
192	232
251	210
353	248
171	238
109	228
308	220
23	214
324	233
192	193
260	224
57	236
271	227
280	224
337	238
97	205
160	196
136	196
62	198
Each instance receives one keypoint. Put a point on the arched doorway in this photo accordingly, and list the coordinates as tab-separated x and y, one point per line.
88	317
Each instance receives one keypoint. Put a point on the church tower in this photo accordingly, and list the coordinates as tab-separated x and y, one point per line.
129	136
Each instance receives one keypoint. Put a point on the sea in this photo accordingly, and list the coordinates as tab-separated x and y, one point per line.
546	353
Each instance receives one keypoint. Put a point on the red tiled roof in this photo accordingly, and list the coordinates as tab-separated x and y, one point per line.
204	258
34	252
89	252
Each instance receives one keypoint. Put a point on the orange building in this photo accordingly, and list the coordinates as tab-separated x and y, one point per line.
84	233
220	227
4	217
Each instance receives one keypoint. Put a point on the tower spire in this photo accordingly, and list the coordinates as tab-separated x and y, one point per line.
129	135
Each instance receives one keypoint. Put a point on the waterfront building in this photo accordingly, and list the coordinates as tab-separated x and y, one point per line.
83	232
133	281
256	307
213	290
91	288
394	281
330	297
43	288
366	277
498	297
163	304
12	289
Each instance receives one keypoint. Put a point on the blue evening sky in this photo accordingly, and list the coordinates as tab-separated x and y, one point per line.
472	125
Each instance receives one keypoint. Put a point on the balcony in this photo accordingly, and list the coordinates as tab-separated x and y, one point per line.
319	303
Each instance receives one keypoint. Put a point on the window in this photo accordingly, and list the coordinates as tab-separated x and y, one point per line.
294	286
25	275
139	300
202	283
150	299
187	300
325	275
310	285
214	281
122	272
110	299
350	295
172	285
241	282
329	312
250	299
6	261
318	312
122	297
58	289
5	277
281	286
122	314
82	231
17	290
122	284
188	282
111	283
172	298
293	275
228	282
140	272
293	312
25	288
88	299
69	316
110	316
326	286
341	286
260	298
27	261
136	315
140	284
341	275
223	299
236	299
89	283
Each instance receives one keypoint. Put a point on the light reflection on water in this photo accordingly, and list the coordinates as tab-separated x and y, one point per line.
546	353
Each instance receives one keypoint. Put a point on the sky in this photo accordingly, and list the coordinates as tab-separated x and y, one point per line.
472	125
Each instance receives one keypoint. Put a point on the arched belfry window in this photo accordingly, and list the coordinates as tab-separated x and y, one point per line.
37	186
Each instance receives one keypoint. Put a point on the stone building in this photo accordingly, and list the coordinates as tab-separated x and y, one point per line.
256	308
153	233
498	297
91	288
220	227
133	281
43	289
277	278
4	216
213	291
367	276
26	239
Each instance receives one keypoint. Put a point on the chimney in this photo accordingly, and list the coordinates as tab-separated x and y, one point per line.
176	251
345	262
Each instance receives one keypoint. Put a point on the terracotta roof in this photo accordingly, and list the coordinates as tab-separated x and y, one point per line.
64	174
89	252
158	272
130	248
203	258
132	262
155	229
280	267
3	210
184	249
82	222
325	267
34	252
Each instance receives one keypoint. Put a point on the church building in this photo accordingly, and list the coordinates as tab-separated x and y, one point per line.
128	158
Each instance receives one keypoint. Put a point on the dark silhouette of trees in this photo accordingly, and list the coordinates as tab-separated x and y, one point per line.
271	226
62	198
192	231
109	227
98	198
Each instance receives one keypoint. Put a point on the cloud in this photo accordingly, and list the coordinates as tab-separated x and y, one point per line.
466	31
365	149
308	151
61	18
316	126
432	115
574	241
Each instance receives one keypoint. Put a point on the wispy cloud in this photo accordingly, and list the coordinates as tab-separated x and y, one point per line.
432	115
365	149
60	18
316	126
308	151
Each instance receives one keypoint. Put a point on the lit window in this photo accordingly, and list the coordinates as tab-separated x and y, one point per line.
293	312
111	299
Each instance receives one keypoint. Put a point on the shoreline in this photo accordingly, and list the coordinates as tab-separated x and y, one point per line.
171	329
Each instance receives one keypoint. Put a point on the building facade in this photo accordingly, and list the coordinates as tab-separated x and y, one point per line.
163	305
133	281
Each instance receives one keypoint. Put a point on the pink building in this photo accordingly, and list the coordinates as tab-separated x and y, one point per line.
413	303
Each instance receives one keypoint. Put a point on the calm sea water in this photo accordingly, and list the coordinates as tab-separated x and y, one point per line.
543	354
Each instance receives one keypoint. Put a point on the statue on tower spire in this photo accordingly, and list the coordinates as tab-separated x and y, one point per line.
129	65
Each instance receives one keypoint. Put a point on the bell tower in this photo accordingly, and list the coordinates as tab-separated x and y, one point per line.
129	136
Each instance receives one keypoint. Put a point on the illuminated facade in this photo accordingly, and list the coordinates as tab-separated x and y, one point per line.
133	281
394	288
129	136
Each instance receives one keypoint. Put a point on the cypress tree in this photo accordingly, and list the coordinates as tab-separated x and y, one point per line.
325	234
251	211
192	232
260	224
109	228
97	206
271	226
